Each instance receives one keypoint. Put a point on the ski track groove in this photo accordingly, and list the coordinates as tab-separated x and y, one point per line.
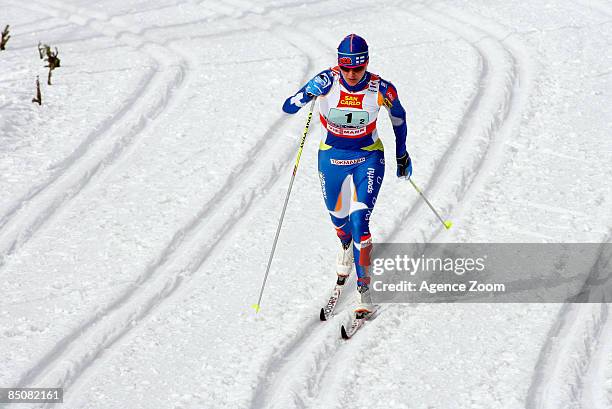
573	341
500	68
567	355
229	17
519	80
74	173
328	358
60	367
64	42
596	393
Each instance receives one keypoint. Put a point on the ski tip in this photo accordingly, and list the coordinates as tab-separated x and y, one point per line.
255	307
322	315
343	333
448	224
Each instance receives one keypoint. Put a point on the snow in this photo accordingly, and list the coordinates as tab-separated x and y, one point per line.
139	202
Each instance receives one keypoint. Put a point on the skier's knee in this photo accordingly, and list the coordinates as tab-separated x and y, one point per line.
360	224
343	228
344	235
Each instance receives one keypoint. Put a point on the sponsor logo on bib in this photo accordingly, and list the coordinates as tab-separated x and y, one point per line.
350	100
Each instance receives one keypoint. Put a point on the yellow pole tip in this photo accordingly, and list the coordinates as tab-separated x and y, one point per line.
448	224
255	307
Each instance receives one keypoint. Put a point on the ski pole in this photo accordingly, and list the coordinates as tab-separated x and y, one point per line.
282	216
447	223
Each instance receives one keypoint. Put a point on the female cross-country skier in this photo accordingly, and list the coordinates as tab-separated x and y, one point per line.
351	156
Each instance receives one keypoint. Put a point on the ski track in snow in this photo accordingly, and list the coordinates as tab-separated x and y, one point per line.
493	114
78	170
105	146
182	258
510	68
595	386
569	371
504	67
570	366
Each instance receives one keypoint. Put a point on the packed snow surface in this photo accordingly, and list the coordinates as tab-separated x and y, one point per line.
139	203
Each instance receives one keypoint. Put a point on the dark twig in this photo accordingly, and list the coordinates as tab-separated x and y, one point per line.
38	98
41	49
52	61
5	37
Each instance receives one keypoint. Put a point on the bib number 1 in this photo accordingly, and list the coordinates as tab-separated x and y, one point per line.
344	118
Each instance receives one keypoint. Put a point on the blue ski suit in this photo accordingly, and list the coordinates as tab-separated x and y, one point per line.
351	156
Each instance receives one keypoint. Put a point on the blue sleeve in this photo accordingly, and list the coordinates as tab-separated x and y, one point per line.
397	113
296	101
300	98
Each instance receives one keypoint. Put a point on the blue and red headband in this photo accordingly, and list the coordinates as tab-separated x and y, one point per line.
353	52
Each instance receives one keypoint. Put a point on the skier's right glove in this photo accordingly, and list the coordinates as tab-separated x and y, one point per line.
404	166
318	86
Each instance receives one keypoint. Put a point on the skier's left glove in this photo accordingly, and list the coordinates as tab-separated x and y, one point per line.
404	166
318	86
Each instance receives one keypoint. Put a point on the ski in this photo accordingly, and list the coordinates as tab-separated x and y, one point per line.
354	325
328	310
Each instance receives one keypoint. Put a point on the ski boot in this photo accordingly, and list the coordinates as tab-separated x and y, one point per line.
344	262
344	266
364	305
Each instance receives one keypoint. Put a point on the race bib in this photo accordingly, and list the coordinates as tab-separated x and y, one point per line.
348	119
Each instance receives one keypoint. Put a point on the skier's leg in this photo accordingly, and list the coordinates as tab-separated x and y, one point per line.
344	257
336	189
367	178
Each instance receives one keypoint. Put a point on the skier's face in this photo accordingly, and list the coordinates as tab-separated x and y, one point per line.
352	76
